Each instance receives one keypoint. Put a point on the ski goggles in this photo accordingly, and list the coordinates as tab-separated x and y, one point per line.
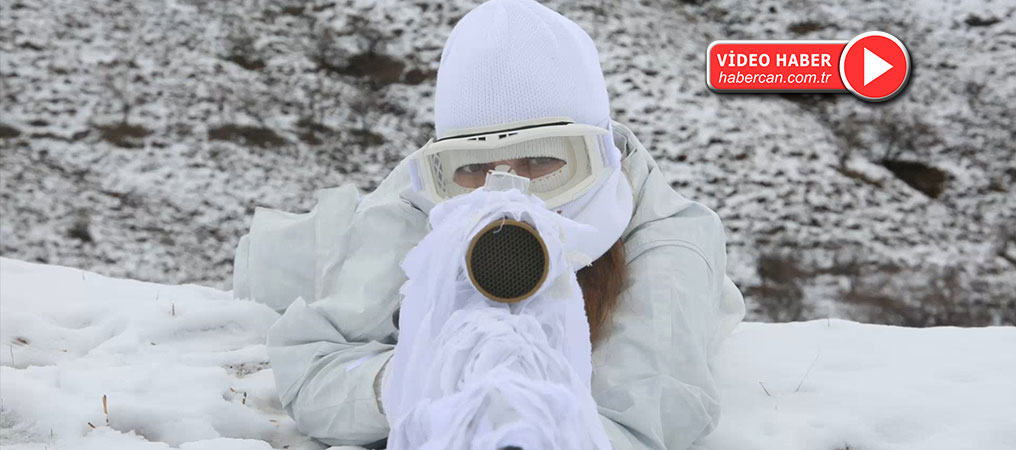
562	159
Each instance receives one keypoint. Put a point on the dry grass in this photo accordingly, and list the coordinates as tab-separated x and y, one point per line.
243	399
105	412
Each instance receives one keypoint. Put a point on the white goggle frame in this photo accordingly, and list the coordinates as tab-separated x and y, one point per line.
589	139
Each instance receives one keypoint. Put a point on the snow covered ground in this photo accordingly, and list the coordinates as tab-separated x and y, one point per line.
185	367
138	137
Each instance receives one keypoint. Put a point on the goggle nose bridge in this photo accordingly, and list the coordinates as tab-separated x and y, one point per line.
505	168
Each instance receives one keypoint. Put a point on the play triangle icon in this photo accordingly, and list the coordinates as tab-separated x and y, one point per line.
874	66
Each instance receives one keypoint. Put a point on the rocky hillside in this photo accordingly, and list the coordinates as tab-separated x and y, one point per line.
137	137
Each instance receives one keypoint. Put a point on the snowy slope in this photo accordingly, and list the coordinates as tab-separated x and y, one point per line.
137	137
185	367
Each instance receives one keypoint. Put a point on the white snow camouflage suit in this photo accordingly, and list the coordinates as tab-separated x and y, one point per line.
335	272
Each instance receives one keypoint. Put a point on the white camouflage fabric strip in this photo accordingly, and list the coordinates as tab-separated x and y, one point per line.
471	373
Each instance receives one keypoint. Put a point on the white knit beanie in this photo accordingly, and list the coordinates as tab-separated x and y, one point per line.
513	60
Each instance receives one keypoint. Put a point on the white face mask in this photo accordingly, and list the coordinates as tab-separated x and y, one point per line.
607	209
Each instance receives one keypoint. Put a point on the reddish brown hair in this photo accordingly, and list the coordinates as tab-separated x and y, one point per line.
601	284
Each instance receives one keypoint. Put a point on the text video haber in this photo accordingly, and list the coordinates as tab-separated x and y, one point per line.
782	59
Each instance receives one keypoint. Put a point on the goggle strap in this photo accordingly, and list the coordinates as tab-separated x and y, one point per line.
504	131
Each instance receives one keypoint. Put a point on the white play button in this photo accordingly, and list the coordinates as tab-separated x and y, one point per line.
874	66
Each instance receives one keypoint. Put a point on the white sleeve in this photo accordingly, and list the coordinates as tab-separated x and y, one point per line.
328	353
326	381
651	377
287	255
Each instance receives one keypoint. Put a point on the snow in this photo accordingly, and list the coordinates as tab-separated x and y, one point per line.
834	384
185	367
795	178
178	365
